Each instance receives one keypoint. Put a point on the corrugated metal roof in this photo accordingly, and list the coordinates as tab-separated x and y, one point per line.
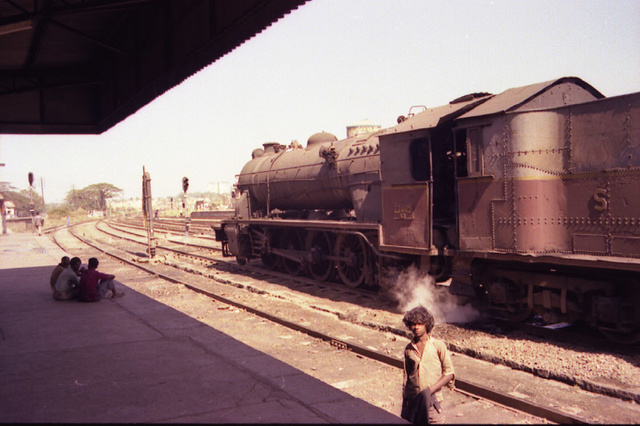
81	66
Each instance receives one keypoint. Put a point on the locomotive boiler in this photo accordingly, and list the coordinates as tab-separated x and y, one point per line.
525	202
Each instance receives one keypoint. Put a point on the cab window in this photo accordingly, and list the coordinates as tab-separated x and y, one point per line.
475	160
420	160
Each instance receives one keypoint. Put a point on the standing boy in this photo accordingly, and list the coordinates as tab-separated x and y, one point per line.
427	368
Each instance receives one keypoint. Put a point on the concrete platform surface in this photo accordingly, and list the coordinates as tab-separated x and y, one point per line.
139	363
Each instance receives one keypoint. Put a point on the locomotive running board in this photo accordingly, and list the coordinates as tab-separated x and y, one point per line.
311	224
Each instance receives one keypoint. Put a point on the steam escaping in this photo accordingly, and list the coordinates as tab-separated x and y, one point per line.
412	288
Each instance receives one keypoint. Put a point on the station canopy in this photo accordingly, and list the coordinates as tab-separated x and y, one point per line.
81	66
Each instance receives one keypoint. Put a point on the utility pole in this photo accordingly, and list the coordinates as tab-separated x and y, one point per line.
42	192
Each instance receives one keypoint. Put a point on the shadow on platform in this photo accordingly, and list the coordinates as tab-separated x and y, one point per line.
136	360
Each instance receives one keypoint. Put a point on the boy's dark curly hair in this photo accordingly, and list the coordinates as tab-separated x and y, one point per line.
419	315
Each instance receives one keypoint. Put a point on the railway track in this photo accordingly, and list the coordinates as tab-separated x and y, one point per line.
206	252
368	299
572	334
383	353
197	227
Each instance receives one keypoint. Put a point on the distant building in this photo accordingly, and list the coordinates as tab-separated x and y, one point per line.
10	208
203	204
362	127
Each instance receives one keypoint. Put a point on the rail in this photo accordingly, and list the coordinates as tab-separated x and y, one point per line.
461	384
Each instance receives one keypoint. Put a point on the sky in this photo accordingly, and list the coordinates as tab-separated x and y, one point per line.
327	65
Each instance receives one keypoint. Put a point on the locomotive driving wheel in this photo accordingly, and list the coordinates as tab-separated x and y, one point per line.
318	244
291	239
352	264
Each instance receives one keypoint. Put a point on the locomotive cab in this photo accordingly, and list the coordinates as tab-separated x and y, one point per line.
407	189
417	166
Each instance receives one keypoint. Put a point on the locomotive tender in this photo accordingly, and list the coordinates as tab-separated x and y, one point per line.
528	201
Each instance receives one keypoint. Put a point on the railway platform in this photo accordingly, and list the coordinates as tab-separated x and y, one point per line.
101	362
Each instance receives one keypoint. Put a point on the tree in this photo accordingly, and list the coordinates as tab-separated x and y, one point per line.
22	200
93	197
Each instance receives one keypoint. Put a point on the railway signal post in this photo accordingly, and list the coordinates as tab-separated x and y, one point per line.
31	203
187	219
147	213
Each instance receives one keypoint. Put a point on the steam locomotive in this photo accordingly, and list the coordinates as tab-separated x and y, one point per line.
525	202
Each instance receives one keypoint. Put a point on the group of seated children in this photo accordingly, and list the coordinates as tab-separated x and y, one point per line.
69	280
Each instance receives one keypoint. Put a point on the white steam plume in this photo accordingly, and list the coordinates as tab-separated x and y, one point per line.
412	289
